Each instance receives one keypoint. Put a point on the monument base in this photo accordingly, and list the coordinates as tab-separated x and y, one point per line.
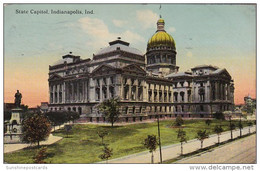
13	132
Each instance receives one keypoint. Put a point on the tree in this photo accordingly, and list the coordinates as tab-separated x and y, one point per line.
35	128
179	121
52	118
249	124
102	133
67	128
218	130
107	153
202	135
151	144
182	136
208	121
40	156
110	108
219	115
240	126
72	116
57	118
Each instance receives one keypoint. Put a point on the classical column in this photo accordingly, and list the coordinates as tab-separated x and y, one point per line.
155	90
58	93
86	90
216	92
50	92
228	92
72	90
210	92
163	94
77	91
122	90
220	90
157	97
167	94
196	94
108	92
136	92
223	91
152	96
100	90
62	92
54	98
69	90
83	90
130	91
66	92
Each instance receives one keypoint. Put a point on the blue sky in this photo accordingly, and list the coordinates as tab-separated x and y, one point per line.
221	35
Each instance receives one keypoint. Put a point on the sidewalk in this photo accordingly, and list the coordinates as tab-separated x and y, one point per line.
173	151
228	153
8	148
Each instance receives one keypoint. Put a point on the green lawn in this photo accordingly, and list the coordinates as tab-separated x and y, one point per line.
84	146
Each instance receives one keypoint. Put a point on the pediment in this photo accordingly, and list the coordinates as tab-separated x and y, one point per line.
226	74
134	68
222	73
55	77
102	69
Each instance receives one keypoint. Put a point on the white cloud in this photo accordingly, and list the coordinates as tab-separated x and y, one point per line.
99	34
94	27
147	18
132	37
119	23
171	29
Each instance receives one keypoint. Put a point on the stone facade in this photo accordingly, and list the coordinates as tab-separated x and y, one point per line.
145	87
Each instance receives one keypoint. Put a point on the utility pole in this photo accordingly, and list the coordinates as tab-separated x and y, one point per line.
159	138
230	127
240	126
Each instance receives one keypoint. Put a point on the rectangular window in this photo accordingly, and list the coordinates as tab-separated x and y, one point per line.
201	108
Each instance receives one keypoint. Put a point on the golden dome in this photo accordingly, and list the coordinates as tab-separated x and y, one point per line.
161	38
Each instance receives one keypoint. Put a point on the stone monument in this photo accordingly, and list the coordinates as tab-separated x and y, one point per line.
14	126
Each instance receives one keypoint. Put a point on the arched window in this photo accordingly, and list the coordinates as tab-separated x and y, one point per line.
182	96
175	96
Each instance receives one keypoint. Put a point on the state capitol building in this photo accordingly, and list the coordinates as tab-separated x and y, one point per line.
147	84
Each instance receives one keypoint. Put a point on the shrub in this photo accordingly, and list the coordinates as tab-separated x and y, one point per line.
179	121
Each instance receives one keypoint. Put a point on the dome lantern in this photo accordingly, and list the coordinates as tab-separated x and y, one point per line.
160	25
161	37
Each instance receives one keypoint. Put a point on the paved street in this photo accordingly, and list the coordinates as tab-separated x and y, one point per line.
240	151
173	151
